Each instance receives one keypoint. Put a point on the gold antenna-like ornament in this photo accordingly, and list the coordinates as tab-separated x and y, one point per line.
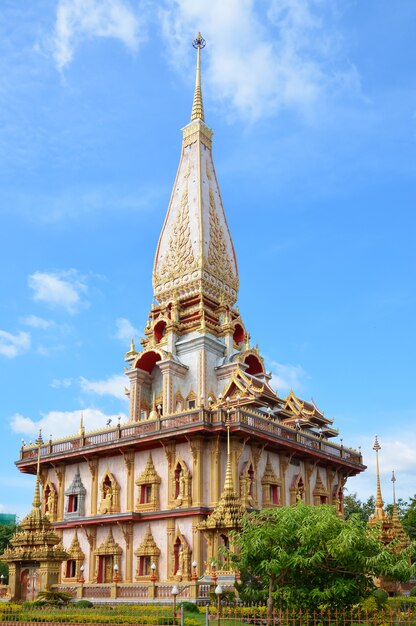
379	499
197	105
36	498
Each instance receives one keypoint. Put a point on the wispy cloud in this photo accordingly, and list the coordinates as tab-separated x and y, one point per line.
63	383
13	345
113	386
125	330
79	20
287	57
286	376
61	423
59	289
37	322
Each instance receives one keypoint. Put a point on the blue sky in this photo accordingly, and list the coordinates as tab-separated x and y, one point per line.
313	105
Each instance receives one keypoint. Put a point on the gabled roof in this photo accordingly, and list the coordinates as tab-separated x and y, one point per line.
249	388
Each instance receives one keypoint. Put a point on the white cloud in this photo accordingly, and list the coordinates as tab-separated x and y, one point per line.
286	376
287	57
113	386
13	345
78	20
56	383
37	322
61	423
125	330
59	289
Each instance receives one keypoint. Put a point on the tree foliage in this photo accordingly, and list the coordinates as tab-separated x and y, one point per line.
6	533
354	506
308	557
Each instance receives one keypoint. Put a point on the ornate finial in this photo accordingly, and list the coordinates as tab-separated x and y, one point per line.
379	499
39	439
132	346
197	105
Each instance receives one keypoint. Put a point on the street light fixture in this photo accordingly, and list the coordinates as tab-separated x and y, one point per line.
218	591
81	575
116	577
174	592
153	574
194	574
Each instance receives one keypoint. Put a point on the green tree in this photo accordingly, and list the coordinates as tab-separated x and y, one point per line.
354	506
409	518
6	533
308	557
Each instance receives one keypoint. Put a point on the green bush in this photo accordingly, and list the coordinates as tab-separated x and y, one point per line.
402	603
83	604
380	597
412	592
190	607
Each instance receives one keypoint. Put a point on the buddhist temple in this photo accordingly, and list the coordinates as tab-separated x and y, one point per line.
147	504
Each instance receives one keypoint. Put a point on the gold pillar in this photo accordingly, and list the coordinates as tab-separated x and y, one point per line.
60	474
127	531
93	466
197	448
214	471
129	463
91	535
197	545
170	532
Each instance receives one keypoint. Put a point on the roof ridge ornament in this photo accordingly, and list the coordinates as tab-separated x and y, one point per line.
197	105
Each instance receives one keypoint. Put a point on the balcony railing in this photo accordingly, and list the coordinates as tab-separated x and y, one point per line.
249	420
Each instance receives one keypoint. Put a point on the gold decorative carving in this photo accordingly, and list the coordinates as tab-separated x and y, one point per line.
320	492
148	483
49	500
179	255
271	485
218	256
147	553
110	494
181	557
181	484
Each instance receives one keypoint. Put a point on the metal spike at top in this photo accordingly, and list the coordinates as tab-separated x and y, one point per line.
393	480
376	445
197	105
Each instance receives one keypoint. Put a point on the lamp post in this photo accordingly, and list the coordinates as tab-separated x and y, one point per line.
218	591
194	574
174	593
116	577
81	578
2	579
153	576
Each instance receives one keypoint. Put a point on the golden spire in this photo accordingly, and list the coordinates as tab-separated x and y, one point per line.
197	105
379	499
228	483
36	498
81	425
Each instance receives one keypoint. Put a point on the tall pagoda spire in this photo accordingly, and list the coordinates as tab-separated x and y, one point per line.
198	106
379	499
195	254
